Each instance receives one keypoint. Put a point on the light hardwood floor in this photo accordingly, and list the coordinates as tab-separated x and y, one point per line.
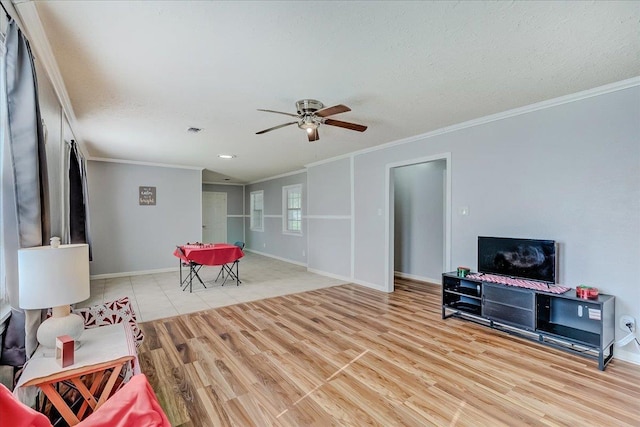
351	356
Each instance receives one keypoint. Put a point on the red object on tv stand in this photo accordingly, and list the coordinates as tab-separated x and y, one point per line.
587	292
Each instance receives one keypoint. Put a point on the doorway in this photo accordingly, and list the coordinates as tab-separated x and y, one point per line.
421	237
214	217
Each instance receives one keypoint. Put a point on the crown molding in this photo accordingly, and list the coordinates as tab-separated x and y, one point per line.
223	183
333	159
134	162
600	90
278	176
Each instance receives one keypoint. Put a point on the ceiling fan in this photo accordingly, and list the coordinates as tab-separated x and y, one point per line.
312	114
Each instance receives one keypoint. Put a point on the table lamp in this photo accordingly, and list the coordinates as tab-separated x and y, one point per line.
55	276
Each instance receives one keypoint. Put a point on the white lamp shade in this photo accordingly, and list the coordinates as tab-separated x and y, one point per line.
51	277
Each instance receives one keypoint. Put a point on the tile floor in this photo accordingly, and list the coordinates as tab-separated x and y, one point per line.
156	296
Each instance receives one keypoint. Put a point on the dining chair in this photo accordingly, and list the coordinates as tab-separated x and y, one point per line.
228	269
194	267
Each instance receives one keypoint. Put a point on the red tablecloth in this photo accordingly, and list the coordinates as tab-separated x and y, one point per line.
210	254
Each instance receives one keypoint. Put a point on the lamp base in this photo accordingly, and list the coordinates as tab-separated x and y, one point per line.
59	324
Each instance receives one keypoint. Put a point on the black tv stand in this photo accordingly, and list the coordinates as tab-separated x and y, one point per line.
564	321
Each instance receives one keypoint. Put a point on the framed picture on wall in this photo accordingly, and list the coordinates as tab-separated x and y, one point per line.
147	196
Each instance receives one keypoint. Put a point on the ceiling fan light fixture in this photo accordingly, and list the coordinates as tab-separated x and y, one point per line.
309	127
308	124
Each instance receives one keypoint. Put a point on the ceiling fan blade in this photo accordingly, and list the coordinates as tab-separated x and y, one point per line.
276	127
346	125
313	136
330	111
279	112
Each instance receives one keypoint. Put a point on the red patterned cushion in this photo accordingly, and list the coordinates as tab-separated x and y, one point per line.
110	313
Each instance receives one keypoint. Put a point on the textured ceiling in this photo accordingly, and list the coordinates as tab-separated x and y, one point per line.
139	73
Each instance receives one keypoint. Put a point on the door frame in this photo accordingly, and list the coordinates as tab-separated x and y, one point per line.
389	231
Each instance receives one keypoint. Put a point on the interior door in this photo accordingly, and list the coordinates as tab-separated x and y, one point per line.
214	217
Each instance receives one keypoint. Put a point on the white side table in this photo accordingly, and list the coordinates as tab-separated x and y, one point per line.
102	355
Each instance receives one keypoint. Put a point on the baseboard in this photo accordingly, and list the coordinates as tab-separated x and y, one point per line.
290	261
373	286
418	278
133	273
327	274
348	280
627	356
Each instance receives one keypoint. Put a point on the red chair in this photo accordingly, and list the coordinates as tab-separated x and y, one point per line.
134	405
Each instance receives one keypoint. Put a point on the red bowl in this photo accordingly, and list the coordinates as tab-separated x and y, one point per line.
592	293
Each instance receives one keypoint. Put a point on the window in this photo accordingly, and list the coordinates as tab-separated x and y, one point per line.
257	210
292	209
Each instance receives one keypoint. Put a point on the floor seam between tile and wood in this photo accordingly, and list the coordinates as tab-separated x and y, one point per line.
157	296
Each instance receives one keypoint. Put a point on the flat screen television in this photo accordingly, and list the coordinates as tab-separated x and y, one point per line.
522	258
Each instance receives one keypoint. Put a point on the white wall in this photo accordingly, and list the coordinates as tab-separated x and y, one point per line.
129	238
419	220
570	173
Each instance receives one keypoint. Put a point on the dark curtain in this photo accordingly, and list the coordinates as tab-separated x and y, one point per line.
26	173
78	198
77	217
27	142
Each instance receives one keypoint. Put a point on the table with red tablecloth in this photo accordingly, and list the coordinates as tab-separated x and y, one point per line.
211	254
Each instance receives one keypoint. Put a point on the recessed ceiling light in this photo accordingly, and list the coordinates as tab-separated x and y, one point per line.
194	130
226	156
